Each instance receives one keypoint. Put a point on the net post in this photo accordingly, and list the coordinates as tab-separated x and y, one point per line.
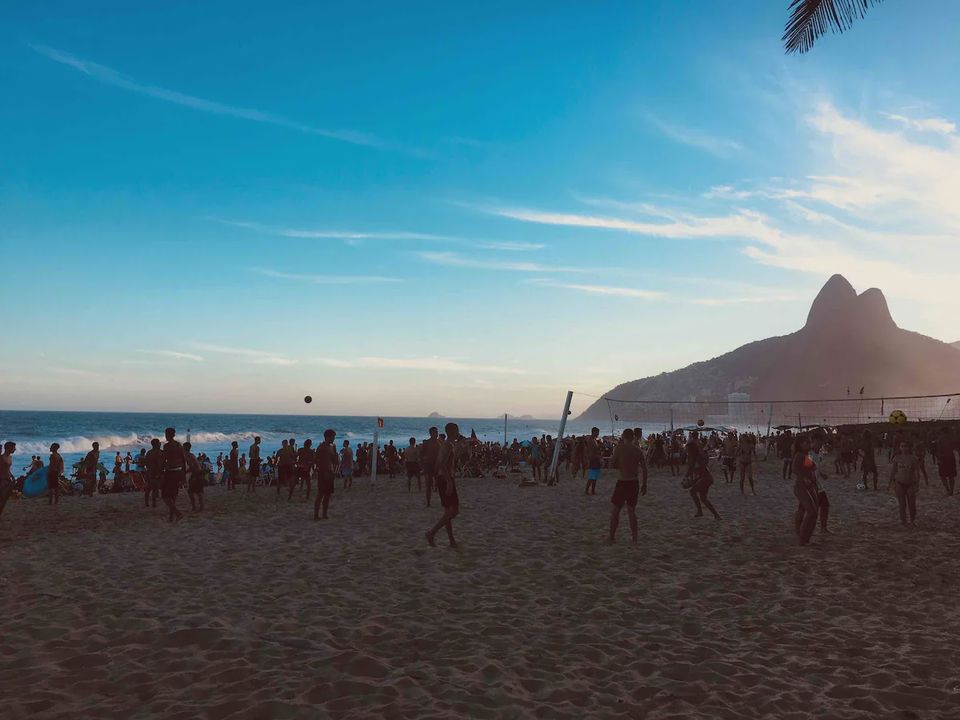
563	426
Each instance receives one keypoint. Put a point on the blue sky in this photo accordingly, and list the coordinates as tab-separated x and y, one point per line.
225	206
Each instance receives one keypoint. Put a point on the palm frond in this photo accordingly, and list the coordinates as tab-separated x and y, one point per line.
809	19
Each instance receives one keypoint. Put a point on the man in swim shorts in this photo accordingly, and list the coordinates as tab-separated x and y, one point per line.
629	462
594	450
411	460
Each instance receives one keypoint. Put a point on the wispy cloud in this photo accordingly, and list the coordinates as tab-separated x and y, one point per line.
332	234
936	125
328	279
76	372
609	290
174	354
109	76
511	246
257	357
451	259
713	144
432	364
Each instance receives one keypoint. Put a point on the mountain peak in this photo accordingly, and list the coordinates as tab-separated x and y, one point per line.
835	295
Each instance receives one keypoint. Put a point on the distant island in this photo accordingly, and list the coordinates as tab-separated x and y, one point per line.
520	417
434	414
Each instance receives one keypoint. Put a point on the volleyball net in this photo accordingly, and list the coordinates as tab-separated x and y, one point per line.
740	412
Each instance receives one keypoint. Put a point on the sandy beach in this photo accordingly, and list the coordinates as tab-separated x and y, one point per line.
253	610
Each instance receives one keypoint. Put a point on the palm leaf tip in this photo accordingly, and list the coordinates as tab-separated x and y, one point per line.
809	19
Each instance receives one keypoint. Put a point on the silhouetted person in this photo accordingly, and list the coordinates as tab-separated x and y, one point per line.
699	477
905	482
446	486
806	491
233	465
88	469
6	473
174	472
429	450
54	471
628	461
304	467
153	470
594	449
195	480
253	471
286	474
326	464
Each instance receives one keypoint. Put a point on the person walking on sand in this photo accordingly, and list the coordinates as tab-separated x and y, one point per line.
194	479
326	464
446	486
806	491
905	481
698	479
746	449
411	460
6	473
253	472
629	461
174	472
429	449
54	471
153	470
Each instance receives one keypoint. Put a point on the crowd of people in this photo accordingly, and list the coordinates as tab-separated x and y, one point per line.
164	469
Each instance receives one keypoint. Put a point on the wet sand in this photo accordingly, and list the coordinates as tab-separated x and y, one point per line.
253	610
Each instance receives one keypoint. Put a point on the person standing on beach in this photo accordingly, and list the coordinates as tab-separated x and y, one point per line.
285	471
304	468
253	474
699	479
946	462
326	463
54	471
412	462
6	473
174	472
905	481
233	465
746	449
446	487
594	450
429	449
88	469
806	490
346	465
195	480
153	469
629	461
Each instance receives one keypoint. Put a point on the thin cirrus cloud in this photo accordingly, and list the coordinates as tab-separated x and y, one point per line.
254	356
432	364
173	354
452	259
109	76
330	234
608	290
713	144
327	279
512	246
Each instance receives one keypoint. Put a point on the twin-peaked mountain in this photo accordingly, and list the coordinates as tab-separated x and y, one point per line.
849	341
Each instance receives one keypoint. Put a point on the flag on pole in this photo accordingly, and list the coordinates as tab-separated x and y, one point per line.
862	389
380	422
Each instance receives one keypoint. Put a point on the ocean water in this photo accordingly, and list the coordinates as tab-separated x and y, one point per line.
34	431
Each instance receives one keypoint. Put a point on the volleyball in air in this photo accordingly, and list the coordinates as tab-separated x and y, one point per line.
898	417
700	422
307	399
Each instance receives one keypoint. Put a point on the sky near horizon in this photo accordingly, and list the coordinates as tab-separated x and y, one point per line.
469	209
